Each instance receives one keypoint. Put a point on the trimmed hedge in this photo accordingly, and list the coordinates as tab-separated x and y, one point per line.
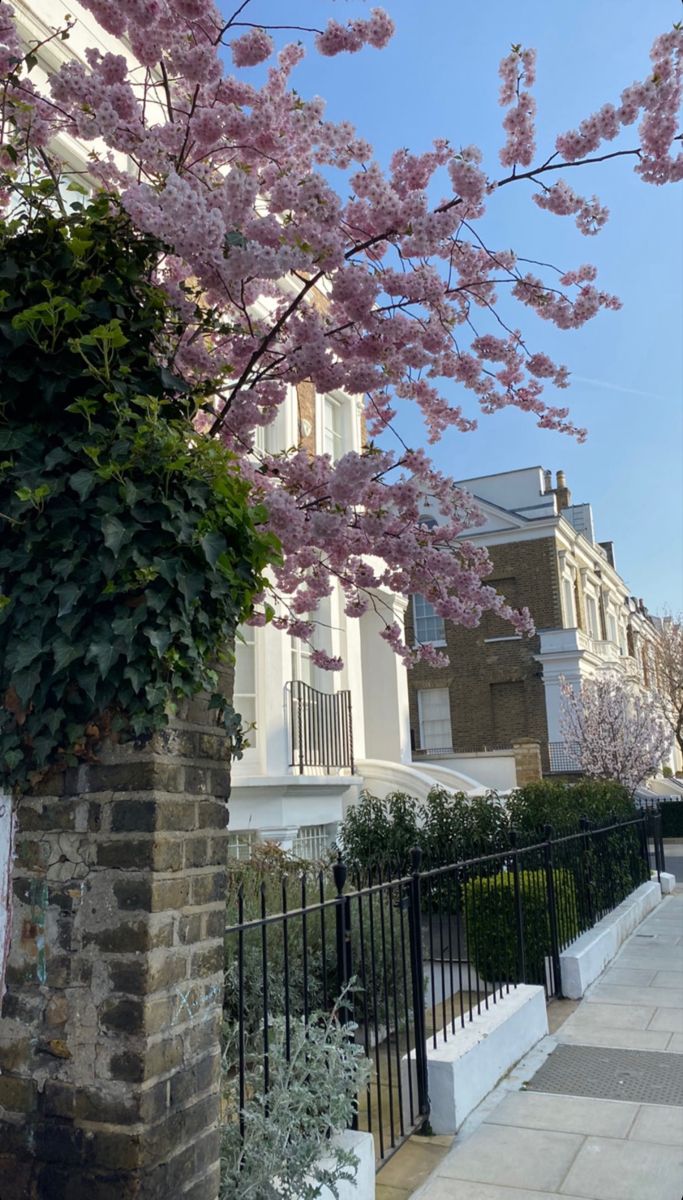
672	818
492	927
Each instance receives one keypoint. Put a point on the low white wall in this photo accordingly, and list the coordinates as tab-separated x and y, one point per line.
667	882
493	770
467	1066
363	1186
586	958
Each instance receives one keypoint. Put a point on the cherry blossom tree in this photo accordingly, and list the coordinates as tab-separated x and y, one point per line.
613	730
309	262
668	654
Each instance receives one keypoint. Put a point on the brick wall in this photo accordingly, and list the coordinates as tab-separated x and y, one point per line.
496	692
109	1037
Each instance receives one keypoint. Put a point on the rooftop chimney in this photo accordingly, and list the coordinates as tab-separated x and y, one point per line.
564	496
547	482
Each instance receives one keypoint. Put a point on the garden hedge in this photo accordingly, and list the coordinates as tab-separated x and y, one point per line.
489	906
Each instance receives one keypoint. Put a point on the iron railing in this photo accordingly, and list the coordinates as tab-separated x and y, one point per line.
321	729
414	955
564	757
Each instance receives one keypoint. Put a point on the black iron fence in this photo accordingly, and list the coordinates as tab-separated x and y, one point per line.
321	730
408	960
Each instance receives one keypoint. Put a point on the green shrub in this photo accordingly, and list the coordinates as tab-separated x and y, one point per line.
562	804
672	818
489	905
448	827
458	827
378	832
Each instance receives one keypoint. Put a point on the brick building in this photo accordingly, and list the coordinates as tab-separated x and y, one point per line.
501	688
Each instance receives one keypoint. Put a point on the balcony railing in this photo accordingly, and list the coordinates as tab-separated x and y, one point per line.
321	731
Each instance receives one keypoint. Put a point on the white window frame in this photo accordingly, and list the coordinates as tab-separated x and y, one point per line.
334	444
430	615
593	617
241	843
248	632
434	740
311	842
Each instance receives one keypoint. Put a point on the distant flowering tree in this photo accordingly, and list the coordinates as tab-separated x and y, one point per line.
668	655
614	730
366	286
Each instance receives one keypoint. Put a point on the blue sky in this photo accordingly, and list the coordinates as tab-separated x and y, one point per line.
438	77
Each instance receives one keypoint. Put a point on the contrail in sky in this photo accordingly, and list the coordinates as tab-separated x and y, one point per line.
616	387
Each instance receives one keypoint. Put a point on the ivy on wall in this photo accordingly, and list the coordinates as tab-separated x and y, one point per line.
129	552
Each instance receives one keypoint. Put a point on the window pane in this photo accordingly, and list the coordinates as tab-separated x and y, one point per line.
332	428
429	626
435	719
311	842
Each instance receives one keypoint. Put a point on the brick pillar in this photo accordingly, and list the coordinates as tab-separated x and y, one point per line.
109	1037
527	754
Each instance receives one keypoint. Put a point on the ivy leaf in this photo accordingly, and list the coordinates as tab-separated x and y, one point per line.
24	654
213	545
68	594
160	639
115	534
83	482
104	654
26	682
190	585
65	653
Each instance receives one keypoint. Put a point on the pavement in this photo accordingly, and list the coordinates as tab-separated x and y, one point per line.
595	1111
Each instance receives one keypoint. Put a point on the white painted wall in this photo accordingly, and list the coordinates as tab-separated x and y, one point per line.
494	771
385	686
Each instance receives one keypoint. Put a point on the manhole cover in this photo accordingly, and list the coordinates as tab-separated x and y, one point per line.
644	1076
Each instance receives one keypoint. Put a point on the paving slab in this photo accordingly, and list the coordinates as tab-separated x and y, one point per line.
629	1039
453	1189
658	1123
670	1019
630	976
609	993
611	1016
522	1158
668	979
676	1044
569	1114
611	1169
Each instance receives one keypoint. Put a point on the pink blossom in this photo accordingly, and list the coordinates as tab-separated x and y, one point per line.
251	48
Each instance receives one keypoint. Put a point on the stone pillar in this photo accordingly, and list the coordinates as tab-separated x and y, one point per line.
527	754
110	1029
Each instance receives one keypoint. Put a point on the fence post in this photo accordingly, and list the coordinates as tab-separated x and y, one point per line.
519	914
585	825
417	972
552	911
343	940
655	833
659	838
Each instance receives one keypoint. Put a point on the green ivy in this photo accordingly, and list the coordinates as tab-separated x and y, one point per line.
129	550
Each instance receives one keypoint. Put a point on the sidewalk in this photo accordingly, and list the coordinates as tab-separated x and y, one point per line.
600	1114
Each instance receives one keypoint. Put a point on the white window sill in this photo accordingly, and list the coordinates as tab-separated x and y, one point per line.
515	637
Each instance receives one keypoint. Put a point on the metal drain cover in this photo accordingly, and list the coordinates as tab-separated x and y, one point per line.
645	1076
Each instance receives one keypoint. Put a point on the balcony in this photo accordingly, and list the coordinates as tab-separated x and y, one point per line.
320	729
575	641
